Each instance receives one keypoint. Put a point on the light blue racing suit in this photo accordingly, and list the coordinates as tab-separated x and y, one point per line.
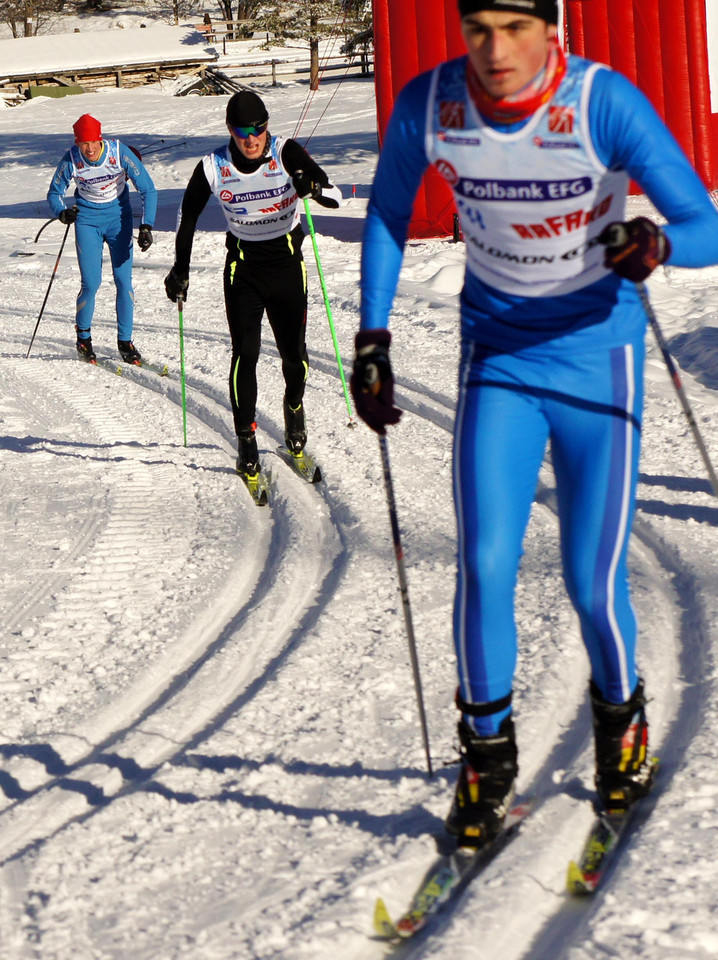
552	342
105	216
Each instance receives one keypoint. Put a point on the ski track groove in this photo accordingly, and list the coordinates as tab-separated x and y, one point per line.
177	713
552	926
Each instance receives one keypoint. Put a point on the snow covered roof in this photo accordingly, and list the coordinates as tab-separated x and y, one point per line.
40	56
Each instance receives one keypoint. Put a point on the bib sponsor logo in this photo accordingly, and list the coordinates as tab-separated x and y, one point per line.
281	205
533	190
225	172
470	213
447	171
262	194
248	223
226	196
452	114
566	223
560	119
555	144
464	141
580	251
529	259
112	161
108	179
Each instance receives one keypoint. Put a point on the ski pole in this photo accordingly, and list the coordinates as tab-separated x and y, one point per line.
47	294
46	224
399	553
180	301
169	146
310	223
675	377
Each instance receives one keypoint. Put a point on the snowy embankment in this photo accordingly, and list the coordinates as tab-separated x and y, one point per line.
209	744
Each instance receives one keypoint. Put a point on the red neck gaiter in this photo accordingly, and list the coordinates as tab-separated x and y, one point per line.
519	106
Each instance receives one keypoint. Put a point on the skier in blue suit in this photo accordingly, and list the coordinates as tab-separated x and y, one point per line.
539	149
102	214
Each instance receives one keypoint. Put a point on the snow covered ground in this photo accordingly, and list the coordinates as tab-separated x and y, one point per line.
209	744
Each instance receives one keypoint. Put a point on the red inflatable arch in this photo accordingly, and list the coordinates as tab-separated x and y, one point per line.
411	36
669	48
663	47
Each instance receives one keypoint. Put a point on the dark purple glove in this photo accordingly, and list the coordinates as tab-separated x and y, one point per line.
144	237
634	249
68	215
372	382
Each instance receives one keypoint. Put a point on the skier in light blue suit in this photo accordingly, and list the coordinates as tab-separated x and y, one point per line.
102	214
539	149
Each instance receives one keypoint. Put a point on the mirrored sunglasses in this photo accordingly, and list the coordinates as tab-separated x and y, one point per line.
253	130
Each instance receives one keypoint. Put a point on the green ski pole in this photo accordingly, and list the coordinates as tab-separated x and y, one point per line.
180	301
310	223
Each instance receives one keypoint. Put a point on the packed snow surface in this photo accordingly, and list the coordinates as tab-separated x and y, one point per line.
209	740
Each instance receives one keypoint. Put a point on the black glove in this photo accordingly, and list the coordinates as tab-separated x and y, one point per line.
68	215
372	382
634	249
305	186
176	283
144	237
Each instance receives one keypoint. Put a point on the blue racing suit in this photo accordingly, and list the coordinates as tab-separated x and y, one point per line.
105	216
552	341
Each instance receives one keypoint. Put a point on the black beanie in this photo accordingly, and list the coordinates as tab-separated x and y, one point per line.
245	109
544	9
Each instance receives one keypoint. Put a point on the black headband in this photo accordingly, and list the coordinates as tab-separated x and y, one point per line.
544	9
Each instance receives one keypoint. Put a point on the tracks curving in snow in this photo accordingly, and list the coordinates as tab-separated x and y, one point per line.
272	572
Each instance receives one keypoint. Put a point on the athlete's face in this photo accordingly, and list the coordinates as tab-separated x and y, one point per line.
506	49
252	147
90	149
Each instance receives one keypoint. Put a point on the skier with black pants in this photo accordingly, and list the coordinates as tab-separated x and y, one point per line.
259	180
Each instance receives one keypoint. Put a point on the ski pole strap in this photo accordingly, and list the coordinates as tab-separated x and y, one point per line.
483	709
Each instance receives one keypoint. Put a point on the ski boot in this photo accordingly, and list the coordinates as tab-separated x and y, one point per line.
295	429
486	786
624	771
85	351
129	352
248	455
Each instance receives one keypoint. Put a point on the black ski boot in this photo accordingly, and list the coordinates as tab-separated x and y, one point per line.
85	351
486	786
624	770
129	352
248	455
295	428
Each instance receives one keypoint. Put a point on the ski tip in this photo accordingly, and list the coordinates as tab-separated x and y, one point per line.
576	881
383	924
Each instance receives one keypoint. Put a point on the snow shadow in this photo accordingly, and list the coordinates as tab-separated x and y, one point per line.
697	352
46	150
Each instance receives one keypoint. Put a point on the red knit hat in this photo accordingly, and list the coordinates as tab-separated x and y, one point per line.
87	129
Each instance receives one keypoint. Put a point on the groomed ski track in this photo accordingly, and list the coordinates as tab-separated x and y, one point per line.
149	506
